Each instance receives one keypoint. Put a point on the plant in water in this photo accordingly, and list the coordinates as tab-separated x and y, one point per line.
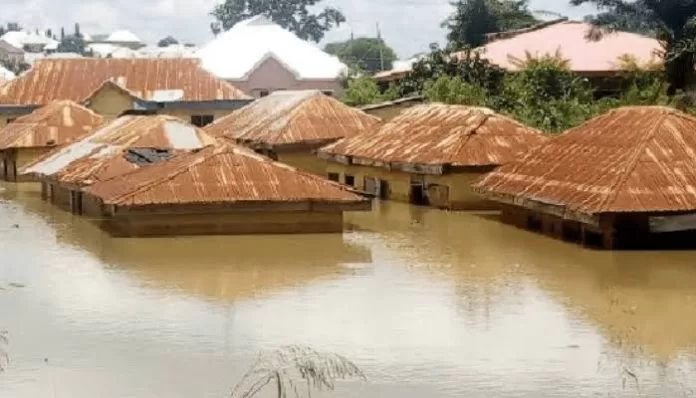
4	358
295	371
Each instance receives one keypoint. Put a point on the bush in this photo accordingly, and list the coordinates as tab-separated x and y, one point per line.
454	90
364	90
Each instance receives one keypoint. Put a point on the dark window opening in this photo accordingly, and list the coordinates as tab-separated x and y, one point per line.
333	177
593	239
202	120
534	223
418	195
11	119
263	93
383	189
349	180
328	93
138	112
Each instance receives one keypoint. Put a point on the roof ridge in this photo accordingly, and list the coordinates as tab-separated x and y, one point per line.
633	163
471	131
509	34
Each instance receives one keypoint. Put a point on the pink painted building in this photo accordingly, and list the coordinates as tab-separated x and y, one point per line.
259	57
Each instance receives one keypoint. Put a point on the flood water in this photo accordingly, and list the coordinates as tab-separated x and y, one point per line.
427	303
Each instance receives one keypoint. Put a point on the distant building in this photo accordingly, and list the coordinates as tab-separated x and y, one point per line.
8	52
391	109
124	38
29	42
47	128
223	189
625	179
112	86
290	125
112	150
595	59
260	57
430	154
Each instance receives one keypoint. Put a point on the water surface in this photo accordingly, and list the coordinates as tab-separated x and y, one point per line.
428	303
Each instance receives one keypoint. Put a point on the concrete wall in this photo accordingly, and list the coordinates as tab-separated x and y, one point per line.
273	222
450	191
111	102
272	76
305	161
389	112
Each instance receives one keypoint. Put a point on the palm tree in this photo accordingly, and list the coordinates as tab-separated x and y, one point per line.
294	370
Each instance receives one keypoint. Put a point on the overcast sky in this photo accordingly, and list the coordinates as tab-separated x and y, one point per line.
407	25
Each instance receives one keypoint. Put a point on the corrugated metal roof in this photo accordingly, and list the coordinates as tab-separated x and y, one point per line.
218	175
56	124
438	134
76	79
290	117
101	154
632	159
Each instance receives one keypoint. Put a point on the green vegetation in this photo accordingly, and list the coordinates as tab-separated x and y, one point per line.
368	54
167	41
473	19
363	90
294	15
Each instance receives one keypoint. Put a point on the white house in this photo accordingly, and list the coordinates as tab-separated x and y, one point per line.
259	57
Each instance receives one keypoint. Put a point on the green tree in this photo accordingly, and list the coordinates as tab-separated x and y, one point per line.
454	90
294	15
167	41
469	65
472	20
365	53
71	44
675	25
364	90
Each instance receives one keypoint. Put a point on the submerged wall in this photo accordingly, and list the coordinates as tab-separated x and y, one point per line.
237	223
449	191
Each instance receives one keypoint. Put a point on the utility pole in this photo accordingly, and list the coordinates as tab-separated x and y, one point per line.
381	47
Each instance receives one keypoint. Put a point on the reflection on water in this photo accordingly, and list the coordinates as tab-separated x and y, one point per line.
428	303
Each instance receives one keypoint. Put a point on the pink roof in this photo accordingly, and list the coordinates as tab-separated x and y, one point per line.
570	37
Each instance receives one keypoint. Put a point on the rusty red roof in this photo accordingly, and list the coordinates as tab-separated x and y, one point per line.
77	78
220	174
632	159
291	117
58	123
100	155
439	134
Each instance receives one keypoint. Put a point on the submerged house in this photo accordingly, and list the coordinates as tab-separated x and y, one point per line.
125	144
391	109
47	128
430	154
176	87
624	179
259	57
223	189
289	126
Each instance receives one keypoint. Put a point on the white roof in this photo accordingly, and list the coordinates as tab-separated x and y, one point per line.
171	51
123	36
102	49
240	50
6	74
19	39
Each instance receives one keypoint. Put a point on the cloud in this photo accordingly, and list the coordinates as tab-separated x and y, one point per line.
407	25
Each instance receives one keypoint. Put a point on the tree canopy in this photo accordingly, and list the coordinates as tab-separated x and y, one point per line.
294	15
10	27
364	53
674	25
364	90
473	19
167	41
71	44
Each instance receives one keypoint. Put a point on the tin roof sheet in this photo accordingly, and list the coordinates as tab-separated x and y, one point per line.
77	78
632	159
438	134
58	123
219	174
102	154
289	117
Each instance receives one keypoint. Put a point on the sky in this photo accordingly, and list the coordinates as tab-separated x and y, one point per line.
409	26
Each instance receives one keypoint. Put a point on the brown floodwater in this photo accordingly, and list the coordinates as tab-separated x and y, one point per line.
427	303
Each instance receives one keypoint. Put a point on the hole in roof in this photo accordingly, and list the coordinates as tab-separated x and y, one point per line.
147	156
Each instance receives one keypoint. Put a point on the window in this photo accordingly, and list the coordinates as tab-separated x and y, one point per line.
11	119
328	93
202	120
333	177
349	180
263	93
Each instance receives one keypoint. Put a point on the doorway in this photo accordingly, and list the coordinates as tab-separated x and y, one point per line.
417	194
383	189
